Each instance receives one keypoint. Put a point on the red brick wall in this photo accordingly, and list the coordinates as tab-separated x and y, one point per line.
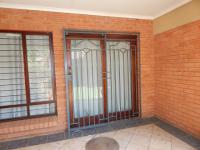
12	19
177	77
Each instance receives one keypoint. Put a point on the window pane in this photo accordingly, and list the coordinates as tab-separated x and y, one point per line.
39	65
42	109
12	84
11	113
118	58
87	77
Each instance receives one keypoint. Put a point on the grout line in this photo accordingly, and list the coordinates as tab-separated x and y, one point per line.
129	141
148	147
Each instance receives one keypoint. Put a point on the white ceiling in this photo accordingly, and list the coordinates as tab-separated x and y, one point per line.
141	9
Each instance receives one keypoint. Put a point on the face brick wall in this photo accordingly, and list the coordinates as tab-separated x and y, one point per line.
177	77
12	19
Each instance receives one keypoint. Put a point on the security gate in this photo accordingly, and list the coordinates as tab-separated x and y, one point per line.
101	78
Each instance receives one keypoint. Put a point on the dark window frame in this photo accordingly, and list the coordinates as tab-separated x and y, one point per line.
26	77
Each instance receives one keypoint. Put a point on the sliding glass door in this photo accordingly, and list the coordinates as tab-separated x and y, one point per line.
100	80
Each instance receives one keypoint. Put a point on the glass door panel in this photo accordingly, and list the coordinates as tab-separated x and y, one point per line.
118	60
86	79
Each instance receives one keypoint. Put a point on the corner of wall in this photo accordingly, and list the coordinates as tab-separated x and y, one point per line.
185	14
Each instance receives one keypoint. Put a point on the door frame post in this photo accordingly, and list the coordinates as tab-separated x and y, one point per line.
66	81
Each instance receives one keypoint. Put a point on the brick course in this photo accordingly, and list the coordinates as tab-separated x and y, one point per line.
13	19
177	77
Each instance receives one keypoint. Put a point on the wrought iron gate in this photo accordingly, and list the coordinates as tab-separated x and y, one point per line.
101	80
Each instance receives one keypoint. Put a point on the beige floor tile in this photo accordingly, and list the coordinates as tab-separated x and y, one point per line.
145	130
141	140
131	130
161	134
133	146
151	148
49	146
160	143
85	138
122	138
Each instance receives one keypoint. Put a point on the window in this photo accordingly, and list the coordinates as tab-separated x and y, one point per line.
27	84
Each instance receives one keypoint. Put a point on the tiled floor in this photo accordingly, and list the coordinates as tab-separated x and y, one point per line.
145	137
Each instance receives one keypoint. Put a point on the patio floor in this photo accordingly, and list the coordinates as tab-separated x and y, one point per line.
131	134
143	137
